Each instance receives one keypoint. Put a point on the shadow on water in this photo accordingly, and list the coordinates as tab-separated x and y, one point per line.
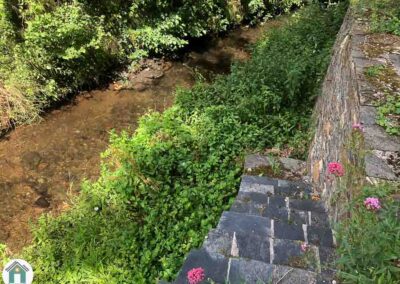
42	164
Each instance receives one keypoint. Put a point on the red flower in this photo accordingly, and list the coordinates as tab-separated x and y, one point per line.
196	275
336	169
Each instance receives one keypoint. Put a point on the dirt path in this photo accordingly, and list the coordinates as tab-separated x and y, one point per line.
42	164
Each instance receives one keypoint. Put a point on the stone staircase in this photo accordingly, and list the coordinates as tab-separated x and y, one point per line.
274	233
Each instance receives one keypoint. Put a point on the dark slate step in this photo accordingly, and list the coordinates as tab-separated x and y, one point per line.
320	236
271	186
214	265
256	272
291	216
250	224
220	269
307	205
281	202
289	253
257	164
245	224
232	244
265	249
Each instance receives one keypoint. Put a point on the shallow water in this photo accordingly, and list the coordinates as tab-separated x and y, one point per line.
43	164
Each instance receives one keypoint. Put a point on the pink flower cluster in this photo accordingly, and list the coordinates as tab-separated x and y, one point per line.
304	247
196	275
372	203
358	126
336	169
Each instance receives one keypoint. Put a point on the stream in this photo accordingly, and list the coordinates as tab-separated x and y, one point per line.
42	165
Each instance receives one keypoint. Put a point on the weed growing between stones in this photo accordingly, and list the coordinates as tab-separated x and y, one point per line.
389	115
307	260
384	18
387	82
384	14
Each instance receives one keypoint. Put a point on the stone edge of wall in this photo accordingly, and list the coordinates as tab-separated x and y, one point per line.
343	103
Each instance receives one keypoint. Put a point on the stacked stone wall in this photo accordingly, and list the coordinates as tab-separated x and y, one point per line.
349	99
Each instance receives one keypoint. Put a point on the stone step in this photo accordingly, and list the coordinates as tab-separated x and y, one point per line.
220	269
256	225
281	202
268	250
271	186
282	213
286	168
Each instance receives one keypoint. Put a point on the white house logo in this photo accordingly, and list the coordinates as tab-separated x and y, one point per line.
18	271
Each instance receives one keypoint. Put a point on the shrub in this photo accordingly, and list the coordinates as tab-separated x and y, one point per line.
64	49
162	189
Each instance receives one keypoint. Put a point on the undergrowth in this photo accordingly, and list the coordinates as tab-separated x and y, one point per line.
163	188
370	240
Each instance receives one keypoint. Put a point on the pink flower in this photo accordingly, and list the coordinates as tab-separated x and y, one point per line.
304	247
372	203
358	126
336	169
196	275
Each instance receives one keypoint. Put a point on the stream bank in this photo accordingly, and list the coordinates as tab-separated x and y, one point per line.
42	165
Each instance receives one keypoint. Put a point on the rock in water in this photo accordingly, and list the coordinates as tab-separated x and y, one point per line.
31	159
42	202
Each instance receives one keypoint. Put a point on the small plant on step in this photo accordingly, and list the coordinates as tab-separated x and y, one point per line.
276	165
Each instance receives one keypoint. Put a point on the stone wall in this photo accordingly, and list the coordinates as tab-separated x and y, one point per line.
345	101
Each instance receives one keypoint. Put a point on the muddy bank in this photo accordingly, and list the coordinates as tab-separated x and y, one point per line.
42	165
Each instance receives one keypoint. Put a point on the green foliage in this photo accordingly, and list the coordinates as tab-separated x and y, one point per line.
2	252
53	48
64	49
7	39
162	189
389	114
369	241
384	14
374	71
387	81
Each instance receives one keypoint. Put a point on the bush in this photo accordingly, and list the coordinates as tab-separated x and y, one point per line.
161	190
61	47
369	241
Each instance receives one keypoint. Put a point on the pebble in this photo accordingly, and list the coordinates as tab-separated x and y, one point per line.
31	159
